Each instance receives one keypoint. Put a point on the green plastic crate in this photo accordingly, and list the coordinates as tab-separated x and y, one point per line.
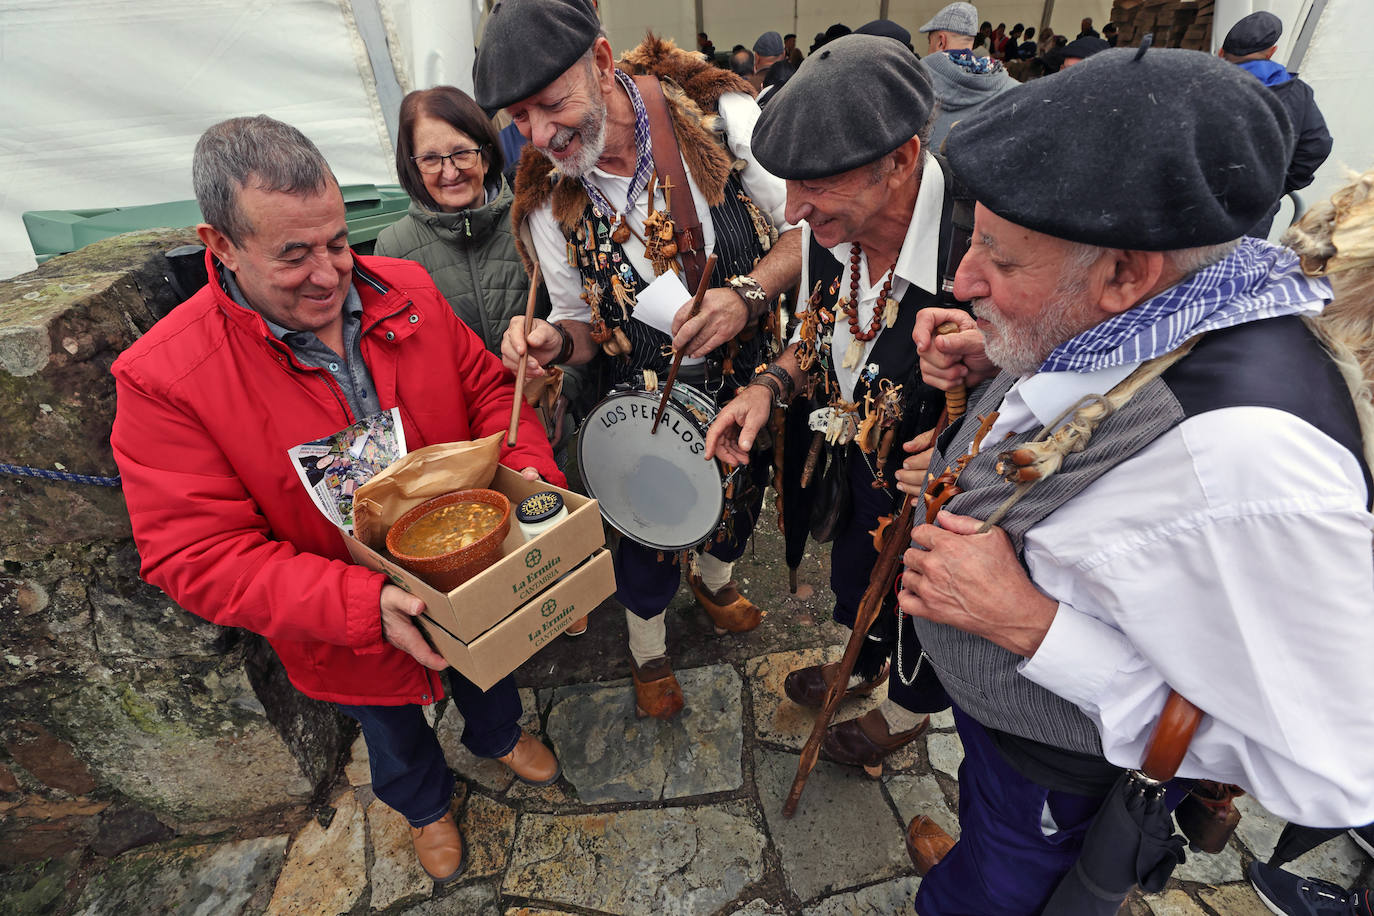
370	209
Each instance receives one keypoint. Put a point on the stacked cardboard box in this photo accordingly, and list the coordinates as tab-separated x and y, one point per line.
1174	23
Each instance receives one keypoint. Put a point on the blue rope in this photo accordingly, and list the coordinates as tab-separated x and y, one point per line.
15	470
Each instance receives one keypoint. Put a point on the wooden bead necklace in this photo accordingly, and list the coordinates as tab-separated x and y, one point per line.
851	308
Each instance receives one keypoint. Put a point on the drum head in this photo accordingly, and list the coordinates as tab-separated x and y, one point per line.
656	489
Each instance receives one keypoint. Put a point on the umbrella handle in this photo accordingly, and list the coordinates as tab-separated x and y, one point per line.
1172	734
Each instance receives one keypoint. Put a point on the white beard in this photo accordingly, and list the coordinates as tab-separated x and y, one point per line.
1019	346
592	131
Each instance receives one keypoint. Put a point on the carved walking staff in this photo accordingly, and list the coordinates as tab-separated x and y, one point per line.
520	370
879	582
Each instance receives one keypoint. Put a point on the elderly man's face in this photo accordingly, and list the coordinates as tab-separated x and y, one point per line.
840	207
566	121
1029	291
295	268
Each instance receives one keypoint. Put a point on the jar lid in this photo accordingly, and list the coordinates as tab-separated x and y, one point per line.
539	507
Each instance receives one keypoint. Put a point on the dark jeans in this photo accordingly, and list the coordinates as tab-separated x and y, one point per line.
409	772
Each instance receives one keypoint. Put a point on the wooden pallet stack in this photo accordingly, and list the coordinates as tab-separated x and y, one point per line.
1175	23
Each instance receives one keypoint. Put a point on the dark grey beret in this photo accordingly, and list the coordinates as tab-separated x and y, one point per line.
851	103
1256	32
769	44
1168	149
1084	48
527	45
887	28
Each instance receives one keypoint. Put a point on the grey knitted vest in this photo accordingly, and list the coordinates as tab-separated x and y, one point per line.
979	676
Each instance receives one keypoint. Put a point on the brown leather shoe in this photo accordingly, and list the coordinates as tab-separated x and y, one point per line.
532	762
657	692
577	627
440	849
730	611
926	843
865	742
807	686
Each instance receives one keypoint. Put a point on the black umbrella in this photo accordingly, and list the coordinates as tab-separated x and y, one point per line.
1130	841
1297	840
796	502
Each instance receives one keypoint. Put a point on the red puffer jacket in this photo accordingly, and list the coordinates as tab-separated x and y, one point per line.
209	403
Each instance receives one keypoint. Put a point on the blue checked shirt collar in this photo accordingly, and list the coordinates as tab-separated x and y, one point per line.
1258	280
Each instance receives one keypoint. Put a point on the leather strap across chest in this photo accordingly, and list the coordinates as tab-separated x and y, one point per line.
691	242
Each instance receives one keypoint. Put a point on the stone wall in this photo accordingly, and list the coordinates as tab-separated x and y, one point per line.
121	715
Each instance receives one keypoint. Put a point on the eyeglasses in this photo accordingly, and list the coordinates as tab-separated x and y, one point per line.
430	163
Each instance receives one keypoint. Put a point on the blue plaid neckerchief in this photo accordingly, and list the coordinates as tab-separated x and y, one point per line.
971	62
1258	280
644	154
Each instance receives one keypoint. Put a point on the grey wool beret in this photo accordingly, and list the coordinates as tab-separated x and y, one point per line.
527	45
850	103
1169	149
1256	32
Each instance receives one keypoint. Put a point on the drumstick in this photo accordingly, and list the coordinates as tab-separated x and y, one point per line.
704	285
520	371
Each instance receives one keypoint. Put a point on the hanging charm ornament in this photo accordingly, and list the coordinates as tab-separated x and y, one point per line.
621	233
660	245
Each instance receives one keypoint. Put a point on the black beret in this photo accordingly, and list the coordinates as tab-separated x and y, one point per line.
887	28
1256	32
1084	47
1169	149
527	45
851	103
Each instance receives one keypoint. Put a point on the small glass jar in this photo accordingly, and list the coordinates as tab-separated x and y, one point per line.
539	512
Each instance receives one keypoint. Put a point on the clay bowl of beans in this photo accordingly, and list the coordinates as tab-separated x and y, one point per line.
451	538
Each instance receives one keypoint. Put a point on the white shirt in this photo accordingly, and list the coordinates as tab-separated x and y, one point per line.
738	112
1231	560
917	262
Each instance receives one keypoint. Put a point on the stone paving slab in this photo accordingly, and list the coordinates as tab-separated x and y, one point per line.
1205	868
467	900
326	869
915	795
1338	859
396	875
1235	900
358	771
945	752
882	899
1174	903
759	907
487	773
197	880
843	833
777	720
488	830
610	756
664	861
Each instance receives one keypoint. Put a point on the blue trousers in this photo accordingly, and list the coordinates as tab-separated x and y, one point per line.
409	772
1004	862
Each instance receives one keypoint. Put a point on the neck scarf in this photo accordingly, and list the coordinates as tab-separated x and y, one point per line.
644	155
967	60
1258	280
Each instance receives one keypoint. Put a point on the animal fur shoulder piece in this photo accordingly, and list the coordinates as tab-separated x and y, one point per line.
692	88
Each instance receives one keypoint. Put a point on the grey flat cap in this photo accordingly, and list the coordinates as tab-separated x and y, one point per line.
527	45
960	18
1256	32
769	45
850	103
1168	149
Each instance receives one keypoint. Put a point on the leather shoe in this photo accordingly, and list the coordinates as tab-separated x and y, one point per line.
577	627
865	741
730	611
657	692
440	849
926	843
532	762
807	686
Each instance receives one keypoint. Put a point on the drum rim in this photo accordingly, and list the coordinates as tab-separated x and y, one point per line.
654	397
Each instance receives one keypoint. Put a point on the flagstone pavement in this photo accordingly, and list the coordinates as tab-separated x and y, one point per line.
680	817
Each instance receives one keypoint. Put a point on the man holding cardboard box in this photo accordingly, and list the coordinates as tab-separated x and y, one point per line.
294	338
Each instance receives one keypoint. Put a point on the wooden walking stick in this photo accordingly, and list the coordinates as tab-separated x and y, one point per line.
894	545
704	285
520	372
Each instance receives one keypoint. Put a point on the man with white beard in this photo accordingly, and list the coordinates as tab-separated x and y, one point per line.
596	185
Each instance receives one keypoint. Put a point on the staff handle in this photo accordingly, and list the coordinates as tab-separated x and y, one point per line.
702	286
520	370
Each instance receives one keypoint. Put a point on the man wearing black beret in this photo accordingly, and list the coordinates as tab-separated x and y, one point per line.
627	178
877	209
1174	467
1251	44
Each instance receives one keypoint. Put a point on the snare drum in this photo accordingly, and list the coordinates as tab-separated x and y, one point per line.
657	490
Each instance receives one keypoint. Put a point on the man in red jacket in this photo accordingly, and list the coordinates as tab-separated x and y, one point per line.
295	338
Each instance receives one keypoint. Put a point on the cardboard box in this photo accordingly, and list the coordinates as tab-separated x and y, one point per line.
508	588
506	646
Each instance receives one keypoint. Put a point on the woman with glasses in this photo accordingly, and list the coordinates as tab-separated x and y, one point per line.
458	225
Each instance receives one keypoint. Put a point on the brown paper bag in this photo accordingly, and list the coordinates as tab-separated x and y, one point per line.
423	474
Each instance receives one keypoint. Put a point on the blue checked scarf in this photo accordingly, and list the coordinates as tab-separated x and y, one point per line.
1258	280
644	152
972	62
